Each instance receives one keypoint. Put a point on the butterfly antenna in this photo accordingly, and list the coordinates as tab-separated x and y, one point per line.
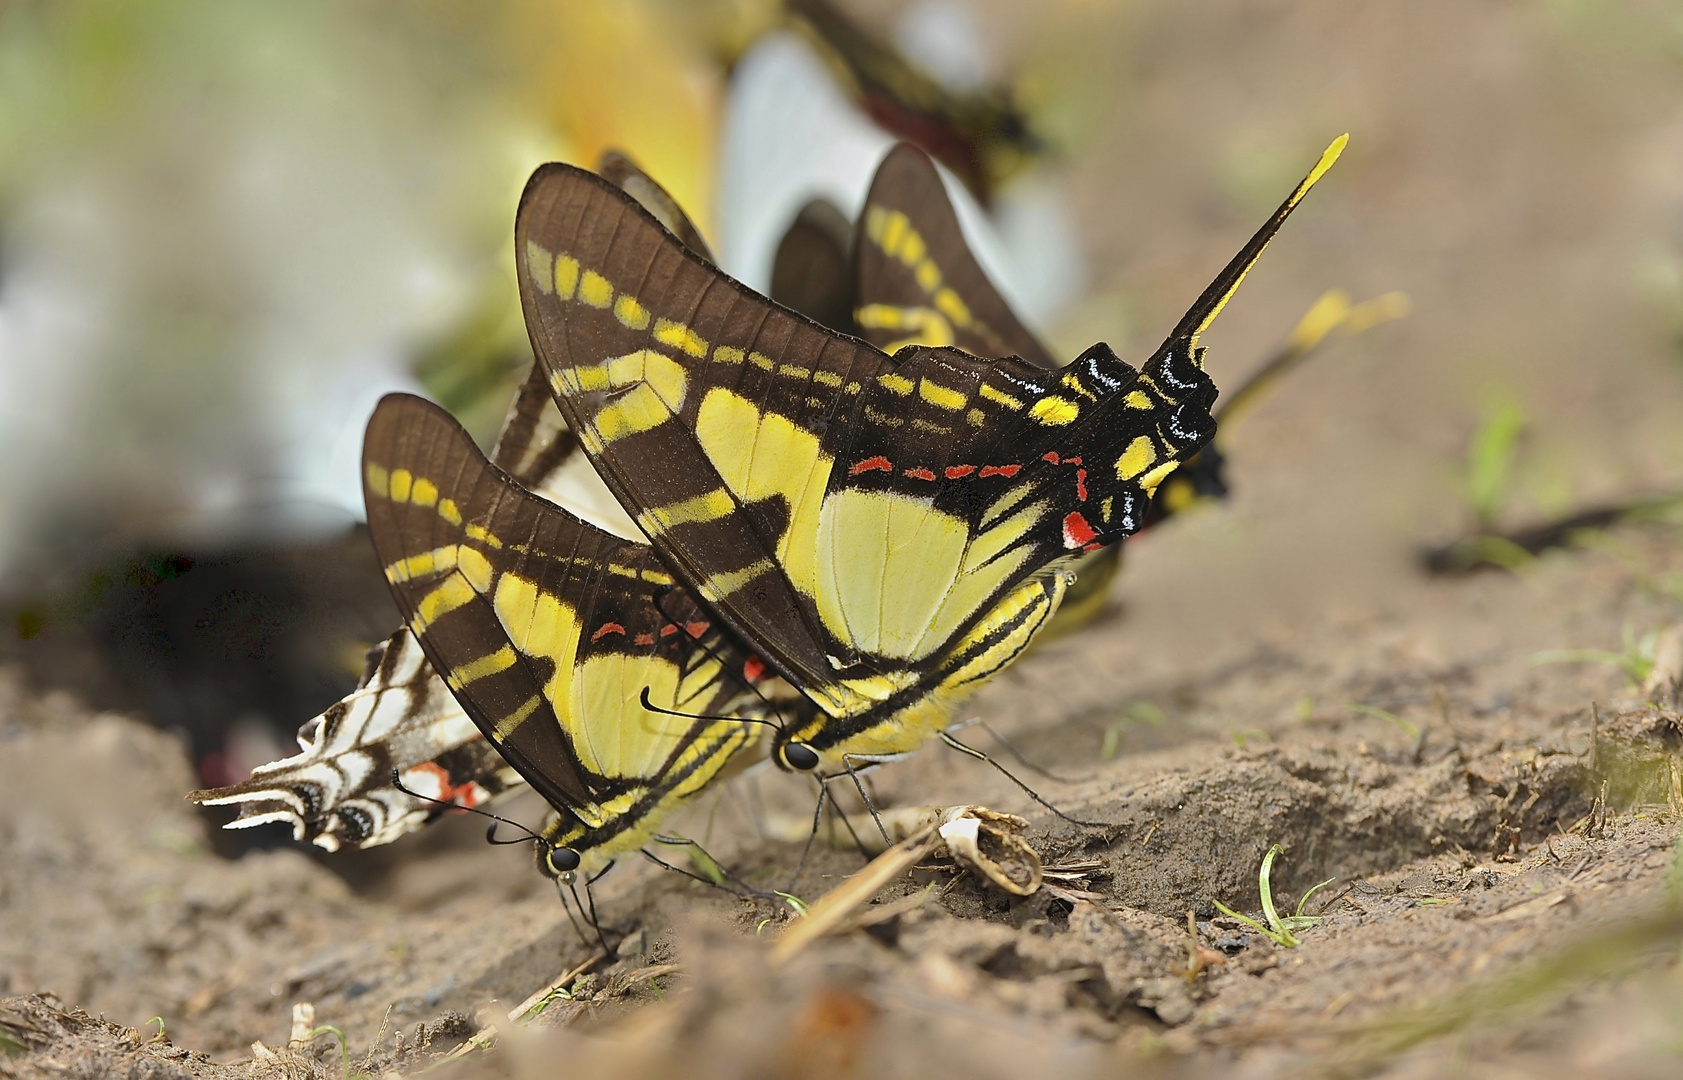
1018	754
742	888
782	722
817	815
496	819
1009	775
652	707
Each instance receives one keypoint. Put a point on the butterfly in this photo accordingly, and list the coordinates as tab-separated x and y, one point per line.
613	694
887	531
338	790
909	240
981	133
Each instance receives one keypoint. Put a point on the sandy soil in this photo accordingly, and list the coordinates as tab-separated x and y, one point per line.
1465	856
1501	833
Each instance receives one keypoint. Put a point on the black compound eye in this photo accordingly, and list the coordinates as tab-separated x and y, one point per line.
563	860
800	757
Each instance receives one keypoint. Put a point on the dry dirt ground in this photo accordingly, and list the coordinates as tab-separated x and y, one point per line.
1501	833
1502	882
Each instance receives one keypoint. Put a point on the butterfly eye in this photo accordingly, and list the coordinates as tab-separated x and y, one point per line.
800	757
563	860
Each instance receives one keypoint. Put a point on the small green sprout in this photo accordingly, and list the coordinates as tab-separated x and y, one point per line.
1140	712
1495	550
1279	928
800	907
1490	460
558	993
160	1036
1389	717
344	1048
1636	661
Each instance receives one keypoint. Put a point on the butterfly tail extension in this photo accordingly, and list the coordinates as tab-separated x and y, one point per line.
1209	304
336	791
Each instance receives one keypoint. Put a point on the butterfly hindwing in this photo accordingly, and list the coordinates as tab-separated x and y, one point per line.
337	790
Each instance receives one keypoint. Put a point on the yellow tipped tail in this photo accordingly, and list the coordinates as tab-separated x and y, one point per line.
1214	298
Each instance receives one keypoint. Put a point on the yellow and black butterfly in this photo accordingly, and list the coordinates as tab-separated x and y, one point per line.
887	531
402	721
611	692
909	245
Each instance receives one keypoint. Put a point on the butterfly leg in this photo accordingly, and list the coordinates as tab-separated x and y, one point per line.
847	763
847	823
561	894
1018	754
586	907
1009	775
817	816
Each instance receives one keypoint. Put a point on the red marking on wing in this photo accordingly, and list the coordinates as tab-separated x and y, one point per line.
1001	470
1072	461
956	471
696	629
668	630
1050	455
605	629
870	464
466	795
753	669
1081	483
920	473
1092	547
1077	533
643	639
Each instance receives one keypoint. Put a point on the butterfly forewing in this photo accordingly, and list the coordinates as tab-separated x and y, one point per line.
918	281
618	169
702	405
545	628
